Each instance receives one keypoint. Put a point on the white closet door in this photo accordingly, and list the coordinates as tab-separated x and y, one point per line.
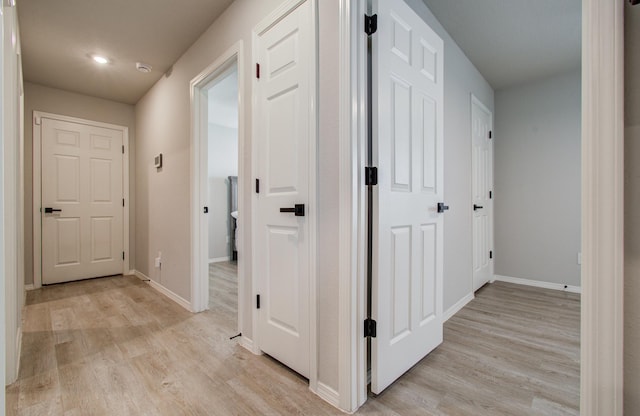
285	140
82	235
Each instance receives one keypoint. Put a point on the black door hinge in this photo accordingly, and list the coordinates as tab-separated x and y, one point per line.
370	176
123	255
490	134
257	186
122	149
122	201
370	24
205	210
490	194
257	301
370	328
491	254
258	71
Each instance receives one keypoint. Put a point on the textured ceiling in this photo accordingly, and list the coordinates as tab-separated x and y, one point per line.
510	42
57	37
514	41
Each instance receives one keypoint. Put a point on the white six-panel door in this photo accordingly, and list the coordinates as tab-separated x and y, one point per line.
82	183
285	139
482	184
408	230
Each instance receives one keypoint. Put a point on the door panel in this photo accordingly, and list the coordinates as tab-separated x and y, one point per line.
285	144
482	171
82	177
407	232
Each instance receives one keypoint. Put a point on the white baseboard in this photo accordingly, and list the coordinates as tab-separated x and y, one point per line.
328	394
131	273
140	275
158	287
538	283
29	287
455	308
219	259
246	343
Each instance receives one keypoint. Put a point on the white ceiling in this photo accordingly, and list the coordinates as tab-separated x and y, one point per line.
58	36
514	41
510	42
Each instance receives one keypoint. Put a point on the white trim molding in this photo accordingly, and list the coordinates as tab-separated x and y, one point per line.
537	283
37	187
352	381
601	390
163	290
456	307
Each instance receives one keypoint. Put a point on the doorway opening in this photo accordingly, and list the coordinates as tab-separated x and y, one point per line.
222	187
217	183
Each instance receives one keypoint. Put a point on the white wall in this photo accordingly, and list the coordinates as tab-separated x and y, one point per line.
461	79
537	180
3	274
632	212
12	194
223	162
52	100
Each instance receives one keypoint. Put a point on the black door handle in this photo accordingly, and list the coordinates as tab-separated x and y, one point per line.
477	207
51	210
298	210
442	207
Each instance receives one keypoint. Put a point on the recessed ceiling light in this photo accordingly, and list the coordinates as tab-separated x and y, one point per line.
100	59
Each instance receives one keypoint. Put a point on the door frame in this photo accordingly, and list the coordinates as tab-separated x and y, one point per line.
476	101
199	173
273	18
601	375
37	187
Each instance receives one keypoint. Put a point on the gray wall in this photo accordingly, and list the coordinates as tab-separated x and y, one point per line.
632	212
461	79
51	100
223	162
537	180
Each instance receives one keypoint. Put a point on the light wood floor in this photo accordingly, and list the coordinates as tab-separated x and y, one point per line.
223	290
114	346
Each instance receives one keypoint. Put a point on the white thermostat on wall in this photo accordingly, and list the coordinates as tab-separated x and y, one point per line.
158	161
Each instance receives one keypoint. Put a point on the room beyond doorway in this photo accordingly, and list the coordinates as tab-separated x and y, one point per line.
222	191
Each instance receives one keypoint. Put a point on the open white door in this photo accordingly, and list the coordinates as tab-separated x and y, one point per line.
285	139
482	168
408	229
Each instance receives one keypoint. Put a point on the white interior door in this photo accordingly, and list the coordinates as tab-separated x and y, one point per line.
286	160
408	230
82	183
482	171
